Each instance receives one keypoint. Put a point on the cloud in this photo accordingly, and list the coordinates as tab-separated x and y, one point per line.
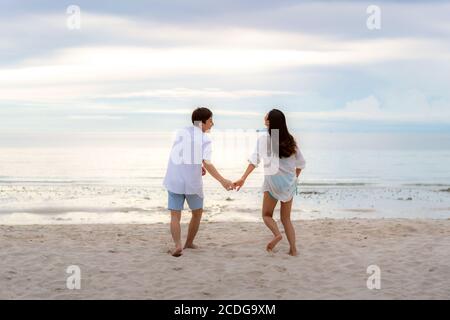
181	93
94	117
404	107
91	64
316	58
367	106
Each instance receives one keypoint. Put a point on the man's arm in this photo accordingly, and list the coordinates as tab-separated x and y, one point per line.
297	171
227	184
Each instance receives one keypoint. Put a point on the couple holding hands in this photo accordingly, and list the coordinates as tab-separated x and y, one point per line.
190	158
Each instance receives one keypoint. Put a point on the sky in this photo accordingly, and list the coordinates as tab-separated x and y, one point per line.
145	65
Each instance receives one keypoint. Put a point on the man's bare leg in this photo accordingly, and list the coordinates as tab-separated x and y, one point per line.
193	228
175	229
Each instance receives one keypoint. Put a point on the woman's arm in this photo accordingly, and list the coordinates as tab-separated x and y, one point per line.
239	183
227	184
300	162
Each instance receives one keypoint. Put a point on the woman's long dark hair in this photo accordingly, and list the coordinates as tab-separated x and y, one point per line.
287	144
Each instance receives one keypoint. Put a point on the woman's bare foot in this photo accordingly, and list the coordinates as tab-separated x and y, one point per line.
293	252
190	246
178	251
273	242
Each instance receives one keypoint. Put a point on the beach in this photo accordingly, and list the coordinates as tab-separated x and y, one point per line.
115	117
104	209
130	261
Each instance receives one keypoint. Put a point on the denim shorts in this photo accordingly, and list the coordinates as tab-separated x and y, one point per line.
176	201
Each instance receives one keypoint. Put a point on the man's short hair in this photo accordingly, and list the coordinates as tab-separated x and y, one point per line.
201	114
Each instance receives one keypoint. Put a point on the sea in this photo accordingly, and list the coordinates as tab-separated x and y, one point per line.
116	177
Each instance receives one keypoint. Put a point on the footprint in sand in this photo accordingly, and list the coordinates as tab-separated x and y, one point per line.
256	273
280	269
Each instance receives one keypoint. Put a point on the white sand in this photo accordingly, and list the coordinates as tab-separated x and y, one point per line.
130	261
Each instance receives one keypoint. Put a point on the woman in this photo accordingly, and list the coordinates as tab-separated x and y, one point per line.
283	163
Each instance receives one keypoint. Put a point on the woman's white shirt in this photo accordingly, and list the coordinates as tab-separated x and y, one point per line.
279	173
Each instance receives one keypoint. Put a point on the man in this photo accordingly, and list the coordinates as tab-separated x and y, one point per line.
183	180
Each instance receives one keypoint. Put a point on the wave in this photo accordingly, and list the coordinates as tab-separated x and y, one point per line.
48	181
427	184
93	180
313	184
63	210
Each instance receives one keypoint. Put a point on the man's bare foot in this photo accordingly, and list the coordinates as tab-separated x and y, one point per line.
293	252
190	246
178	251
273	242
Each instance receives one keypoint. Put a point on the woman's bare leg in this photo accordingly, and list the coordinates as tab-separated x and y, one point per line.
269	204
285	213
193	228
175	229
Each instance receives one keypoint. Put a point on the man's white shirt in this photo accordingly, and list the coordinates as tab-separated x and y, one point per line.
184	169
